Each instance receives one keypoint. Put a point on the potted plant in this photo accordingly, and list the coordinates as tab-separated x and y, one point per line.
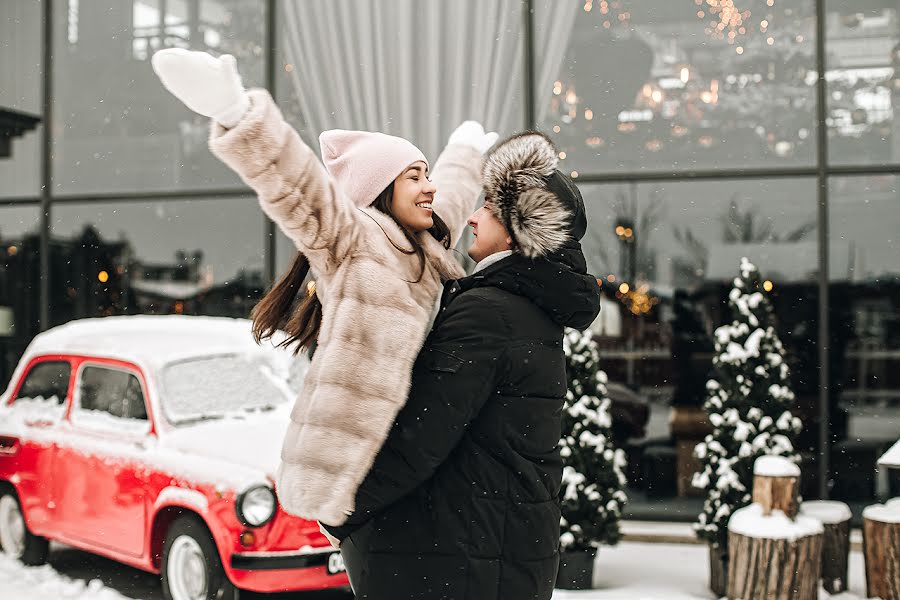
592	494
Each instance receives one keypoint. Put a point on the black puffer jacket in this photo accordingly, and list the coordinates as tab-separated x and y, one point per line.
461	502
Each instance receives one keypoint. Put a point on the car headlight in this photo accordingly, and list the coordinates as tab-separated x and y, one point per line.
256	506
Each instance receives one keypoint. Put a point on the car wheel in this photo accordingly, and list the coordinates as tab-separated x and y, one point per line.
191	567
15	539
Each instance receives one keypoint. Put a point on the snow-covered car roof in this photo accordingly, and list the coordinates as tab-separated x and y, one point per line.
148	340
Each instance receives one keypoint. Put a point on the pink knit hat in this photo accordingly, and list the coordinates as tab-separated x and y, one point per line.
364	162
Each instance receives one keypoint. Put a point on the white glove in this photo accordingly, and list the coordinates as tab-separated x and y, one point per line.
207	85
471	133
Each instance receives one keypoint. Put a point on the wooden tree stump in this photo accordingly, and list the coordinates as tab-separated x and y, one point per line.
881	547
718	570
773	557
776	485
835	518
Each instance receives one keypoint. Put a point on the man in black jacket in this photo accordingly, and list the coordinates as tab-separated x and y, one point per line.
461	502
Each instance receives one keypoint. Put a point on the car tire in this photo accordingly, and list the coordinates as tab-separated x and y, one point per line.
191	567
15	538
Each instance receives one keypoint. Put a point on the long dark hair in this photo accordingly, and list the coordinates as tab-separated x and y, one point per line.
283	308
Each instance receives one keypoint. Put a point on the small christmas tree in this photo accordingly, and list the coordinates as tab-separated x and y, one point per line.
593	479
748	401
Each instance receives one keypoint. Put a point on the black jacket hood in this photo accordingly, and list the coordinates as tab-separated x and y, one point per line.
558	284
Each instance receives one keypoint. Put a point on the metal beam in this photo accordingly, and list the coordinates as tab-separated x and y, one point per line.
270	233
46	163
528	40
152	196
822	181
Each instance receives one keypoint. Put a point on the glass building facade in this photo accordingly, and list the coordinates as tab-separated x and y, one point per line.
707	130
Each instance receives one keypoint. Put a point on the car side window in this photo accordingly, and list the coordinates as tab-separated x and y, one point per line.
117	393
47	380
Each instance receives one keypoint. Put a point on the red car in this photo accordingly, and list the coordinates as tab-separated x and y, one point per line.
154	441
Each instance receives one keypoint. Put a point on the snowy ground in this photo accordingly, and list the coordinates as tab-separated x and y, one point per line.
631	571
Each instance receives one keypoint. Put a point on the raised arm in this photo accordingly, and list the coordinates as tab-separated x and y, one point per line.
457	176
250	135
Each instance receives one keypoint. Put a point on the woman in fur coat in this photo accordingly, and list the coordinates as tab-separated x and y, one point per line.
367	224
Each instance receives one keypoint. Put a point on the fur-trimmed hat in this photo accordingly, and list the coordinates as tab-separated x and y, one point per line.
540	207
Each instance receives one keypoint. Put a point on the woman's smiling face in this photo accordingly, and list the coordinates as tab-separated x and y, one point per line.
413	197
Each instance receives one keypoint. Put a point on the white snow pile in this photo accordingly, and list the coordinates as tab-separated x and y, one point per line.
888	512
629	571
891	458
750	522
775	466
828	512
18	582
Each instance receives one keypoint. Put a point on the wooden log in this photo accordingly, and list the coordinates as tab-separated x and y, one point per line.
773	557
776	485
777	493
881	550
835	518
718	570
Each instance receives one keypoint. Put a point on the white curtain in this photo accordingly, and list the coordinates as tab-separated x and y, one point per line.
414	68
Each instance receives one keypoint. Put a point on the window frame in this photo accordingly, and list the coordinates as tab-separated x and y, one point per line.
32	364
75	407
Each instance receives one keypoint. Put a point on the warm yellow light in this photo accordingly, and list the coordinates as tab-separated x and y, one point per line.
562	156
657	96
620	230
629	232
623	288
740	50
103	276
685	74
588	114
611	278
556	129
763	24
770	40
12	250
288	68
768	285
574	174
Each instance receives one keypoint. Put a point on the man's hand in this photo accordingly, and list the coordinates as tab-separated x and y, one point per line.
335	543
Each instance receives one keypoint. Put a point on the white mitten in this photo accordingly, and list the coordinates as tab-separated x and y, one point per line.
207	85
471	133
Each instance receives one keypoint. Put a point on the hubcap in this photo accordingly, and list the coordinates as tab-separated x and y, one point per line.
12	527
186	570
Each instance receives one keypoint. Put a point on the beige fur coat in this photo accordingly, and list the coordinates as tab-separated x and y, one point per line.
374	316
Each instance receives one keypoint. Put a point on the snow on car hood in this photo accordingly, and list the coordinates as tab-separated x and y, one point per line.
253	442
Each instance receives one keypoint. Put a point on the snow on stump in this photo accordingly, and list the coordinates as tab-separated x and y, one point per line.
774	554
881	548
835	518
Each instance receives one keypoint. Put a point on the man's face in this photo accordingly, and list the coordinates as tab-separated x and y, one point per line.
490	234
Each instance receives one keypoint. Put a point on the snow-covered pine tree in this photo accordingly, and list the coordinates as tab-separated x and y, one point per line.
593	477
748	401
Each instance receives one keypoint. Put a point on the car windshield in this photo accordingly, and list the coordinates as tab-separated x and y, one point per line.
213	387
